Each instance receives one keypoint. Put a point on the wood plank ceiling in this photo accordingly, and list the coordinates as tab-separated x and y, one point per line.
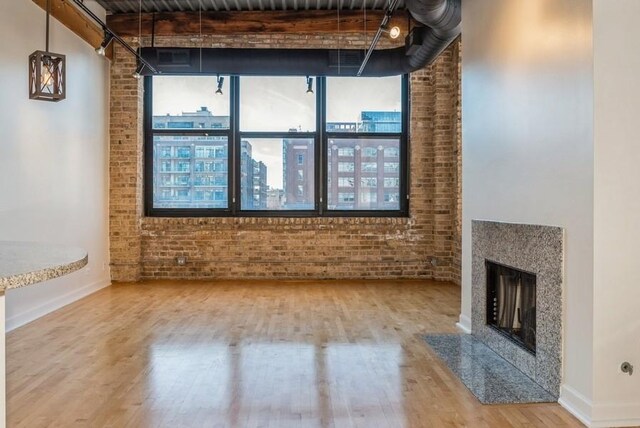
134	6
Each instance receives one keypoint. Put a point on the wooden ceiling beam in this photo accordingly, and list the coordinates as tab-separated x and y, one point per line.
76	21
241	22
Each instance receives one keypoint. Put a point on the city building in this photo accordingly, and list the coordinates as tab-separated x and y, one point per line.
364	173
200	119
253	180
298	173
192	170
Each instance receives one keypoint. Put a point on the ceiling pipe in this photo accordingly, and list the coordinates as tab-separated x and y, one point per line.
441	19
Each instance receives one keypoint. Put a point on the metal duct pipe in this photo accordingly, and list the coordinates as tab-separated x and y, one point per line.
441	17
443	21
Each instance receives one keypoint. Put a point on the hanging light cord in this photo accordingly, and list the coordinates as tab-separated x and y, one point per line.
200	18
391	7
139	24
339	35
47	36
365	25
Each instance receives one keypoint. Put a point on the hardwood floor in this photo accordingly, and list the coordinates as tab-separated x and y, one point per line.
249	354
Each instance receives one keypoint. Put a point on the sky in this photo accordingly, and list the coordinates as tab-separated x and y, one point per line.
276	104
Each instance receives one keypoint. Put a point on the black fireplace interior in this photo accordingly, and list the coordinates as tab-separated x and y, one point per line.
511	303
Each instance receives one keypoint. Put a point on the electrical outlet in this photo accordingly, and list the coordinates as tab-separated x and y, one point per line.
181	260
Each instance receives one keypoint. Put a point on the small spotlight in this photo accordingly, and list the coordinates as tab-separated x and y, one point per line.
138	73
102	49
220	81
309	85
394	32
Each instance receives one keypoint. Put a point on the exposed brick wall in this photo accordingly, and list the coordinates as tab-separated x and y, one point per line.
295	247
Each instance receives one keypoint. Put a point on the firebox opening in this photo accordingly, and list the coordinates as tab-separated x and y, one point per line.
511	303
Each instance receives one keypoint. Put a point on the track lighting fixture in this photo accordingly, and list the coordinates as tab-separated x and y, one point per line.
138	73
102	49
309	85
220	81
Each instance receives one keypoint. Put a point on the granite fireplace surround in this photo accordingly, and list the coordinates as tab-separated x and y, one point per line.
532	248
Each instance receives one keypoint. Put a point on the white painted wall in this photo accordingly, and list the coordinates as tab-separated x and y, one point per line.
527	89
617	211
53	158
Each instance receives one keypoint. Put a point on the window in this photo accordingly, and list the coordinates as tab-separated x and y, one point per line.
346	182
364	104
177	172
279	104
258	149
370	152
346	166
369	182
367	177
346	151
263	168
391	182
369	167
391	152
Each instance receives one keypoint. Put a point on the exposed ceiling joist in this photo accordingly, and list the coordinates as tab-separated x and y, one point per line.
299	21
72	18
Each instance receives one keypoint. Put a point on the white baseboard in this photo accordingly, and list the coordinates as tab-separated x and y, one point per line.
576	404
54	304
464	325
599	416
616	415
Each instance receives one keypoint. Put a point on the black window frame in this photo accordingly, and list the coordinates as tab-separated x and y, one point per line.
234	140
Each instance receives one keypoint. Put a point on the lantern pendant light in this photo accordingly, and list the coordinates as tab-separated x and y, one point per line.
47	73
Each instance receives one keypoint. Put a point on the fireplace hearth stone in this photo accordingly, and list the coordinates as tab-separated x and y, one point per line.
491	378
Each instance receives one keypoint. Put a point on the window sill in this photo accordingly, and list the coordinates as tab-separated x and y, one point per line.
152	222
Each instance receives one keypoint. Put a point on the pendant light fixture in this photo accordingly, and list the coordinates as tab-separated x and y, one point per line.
220	82
47	72
309	85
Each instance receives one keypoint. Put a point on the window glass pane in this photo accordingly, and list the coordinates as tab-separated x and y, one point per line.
190	102
277	174
276	104
368	182
364	104
190	171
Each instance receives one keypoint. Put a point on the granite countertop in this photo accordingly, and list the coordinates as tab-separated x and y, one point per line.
25	263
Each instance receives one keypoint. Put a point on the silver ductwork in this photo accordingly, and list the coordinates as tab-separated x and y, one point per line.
441	20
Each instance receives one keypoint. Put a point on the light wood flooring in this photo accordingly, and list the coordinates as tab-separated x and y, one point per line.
250	354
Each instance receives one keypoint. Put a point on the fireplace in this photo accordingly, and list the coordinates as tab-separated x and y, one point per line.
526	329
511	303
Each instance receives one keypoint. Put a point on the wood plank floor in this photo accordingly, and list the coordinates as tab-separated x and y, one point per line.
249	354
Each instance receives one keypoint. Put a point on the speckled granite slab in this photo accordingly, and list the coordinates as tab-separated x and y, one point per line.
532	248
487	375
25	263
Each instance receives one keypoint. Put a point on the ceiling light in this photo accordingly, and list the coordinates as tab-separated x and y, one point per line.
309	85
47	73
102	49
220	81
393	33
138	73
